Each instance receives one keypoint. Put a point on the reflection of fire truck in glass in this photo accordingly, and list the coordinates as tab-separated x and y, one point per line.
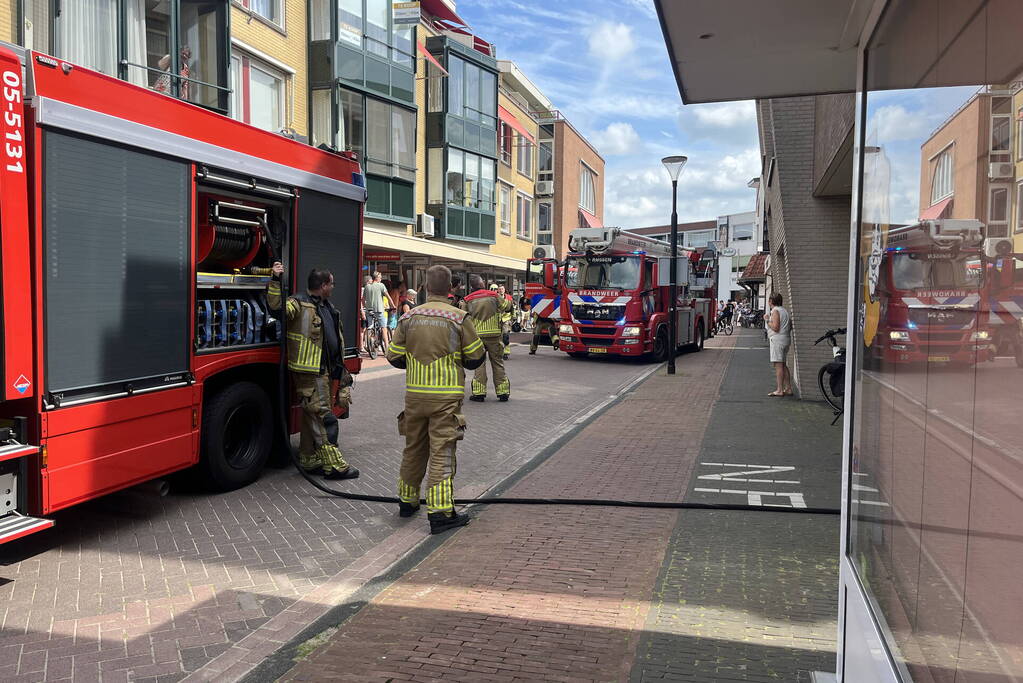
616	295
931	293
137	233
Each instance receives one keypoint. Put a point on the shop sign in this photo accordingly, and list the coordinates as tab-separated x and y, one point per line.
406	13
380	256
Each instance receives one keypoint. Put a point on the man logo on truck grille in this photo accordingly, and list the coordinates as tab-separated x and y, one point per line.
22	384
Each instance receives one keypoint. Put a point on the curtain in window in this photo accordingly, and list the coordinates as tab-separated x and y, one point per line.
136	42
319	20
378	137
403	143
264	8
264	99
586	195
322	133
87	34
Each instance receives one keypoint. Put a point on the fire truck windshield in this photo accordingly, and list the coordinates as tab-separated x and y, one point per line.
603	272
925	271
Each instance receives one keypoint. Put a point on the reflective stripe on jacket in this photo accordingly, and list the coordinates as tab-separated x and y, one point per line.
304	330
484	307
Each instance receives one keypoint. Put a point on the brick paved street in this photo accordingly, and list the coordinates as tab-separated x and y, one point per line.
615	594
145	588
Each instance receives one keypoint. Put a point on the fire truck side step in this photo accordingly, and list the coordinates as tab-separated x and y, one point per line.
14	526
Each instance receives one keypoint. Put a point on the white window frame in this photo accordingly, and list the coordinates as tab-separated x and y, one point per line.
1019	135
585	168
246	57
524	157
991	132
504	194
1008	208
524	200
938	161
278	5
1019	208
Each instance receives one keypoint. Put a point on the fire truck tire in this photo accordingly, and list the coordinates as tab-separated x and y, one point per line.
698	344
660	352
237	435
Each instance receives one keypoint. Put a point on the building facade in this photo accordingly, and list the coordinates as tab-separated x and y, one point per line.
907	205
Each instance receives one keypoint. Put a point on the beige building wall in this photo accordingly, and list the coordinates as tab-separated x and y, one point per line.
511	244
286	44
8	18
571	151
967	132
1016	217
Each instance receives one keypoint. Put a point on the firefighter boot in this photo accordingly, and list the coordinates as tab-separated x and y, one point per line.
504	389
442	521
408	499
479	390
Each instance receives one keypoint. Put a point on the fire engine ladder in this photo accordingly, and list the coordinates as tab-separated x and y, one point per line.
14	524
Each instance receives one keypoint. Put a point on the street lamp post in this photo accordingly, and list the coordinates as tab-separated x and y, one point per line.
674	166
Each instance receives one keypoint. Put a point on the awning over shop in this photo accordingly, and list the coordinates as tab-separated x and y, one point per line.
755	270
934	211
745	49
509	118
588	220
433	60
448	20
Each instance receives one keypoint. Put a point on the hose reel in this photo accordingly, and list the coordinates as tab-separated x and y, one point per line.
230	235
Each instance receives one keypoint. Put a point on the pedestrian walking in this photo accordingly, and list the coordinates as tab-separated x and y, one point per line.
434	343
374	303
485	308
315	347
779	338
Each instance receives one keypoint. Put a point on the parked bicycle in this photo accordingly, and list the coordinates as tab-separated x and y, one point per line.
751	319
374	335
831	376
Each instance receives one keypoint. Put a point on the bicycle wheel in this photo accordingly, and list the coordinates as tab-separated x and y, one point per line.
729	328
824	383
371	344
380	341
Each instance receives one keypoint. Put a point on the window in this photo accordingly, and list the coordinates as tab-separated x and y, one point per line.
349	22
435	88
353	118
524	224
1019	135
587	183
998	212
322	119
268	9
544	226
524	159
743	232
455	183
472	92
506	209
699	238
507	141
1019	208
1001	123
390	135
259	94
471	180
319	19
942	183
546	157
378	15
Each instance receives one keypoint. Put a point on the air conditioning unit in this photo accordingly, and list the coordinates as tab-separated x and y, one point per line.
1000	170
545	187
995	248
424	225
544	251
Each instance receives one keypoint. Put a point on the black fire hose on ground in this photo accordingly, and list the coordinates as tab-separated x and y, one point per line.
285	401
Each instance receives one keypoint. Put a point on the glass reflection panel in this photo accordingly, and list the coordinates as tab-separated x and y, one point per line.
936	505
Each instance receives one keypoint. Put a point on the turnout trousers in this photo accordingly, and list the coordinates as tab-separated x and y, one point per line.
318	443
495	352
543	326
432	427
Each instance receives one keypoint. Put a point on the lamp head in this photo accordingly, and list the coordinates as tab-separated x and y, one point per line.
674	165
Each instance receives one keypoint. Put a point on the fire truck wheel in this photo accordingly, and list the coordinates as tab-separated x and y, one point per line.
660	352
698	344
237	433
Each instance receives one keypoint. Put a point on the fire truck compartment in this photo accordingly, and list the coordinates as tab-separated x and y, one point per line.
116	266
330	238
97	448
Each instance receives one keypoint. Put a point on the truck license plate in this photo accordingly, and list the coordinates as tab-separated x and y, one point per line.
938	359
597	350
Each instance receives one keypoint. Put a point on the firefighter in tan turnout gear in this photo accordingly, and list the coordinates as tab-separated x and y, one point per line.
485	308
316	346
433	343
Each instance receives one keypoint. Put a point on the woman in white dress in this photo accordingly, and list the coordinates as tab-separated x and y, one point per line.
779	336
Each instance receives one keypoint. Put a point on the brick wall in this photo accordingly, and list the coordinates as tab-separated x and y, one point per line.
570	150
809	235
834	116
8	15
287	45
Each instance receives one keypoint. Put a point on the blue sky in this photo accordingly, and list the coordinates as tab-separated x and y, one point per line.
603	63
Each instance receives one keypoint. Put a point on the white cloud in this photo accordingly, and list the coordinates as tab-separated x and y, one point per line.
894	122
727	115
618	138
611	41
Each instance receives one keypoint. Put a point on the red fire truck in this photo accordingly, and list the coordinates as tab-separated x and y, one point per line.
926	294
616	297
136	230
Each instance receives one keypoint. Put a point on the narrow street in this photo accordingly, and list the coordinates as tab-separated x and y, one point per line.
138	587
